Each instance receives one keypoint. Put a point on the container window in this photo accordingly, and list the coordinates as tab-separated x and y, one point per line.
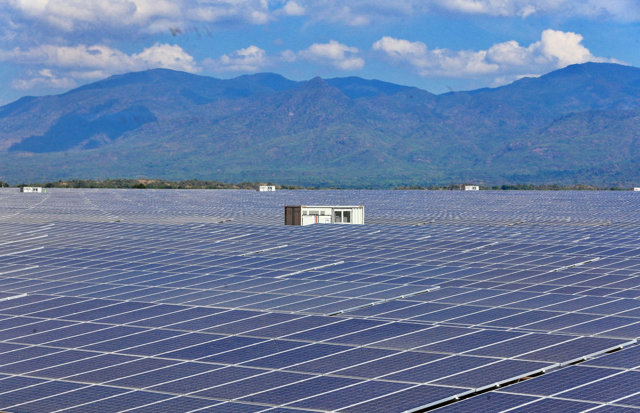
346	216
337	216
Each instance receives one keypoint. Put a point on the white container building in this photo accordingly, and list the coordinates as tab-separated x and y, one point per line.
267	188
636	189
471	188
307	215
31	189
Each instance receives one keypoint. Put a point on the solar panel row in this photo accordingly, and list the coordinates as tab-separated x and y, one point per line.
115	300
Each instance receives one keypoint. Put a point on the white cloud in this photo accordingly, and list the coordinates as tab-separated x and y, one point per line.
63	66
334	53
70	15
624	10
288	56
103	58
45	78
250	59
359	12
102	18
554	50
293	9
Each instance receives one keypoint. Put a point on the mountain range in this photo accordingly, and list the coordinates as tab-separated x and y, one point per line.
576	125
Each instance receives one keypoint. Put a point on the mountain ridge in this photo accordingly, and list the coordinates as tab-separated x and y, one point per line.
576	125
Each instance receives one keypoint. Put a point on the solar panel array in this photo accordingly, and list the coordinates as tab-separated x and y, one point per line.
132	300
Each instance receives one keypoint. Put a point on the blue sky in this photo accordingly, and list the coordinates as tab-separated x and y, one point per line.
50	46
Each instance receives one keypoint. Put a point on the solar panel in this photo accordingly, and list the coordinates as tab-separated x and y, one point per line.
186	300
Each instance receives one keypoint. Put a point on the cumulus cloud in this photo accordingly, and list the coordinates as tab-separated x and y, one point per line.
104	58
361	12
291	8
334	53
63	66
70	15
508	60
44	78
613	9
104	18
249	59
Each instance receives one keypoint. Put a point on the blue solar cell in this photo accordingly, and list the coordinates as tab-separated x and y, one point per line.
60	312
146	336
121	402
343	327
520	345
300	390
214	320
170	344
560	321
234	407
163	375
107	373
21	353
423	337
410	399
379	309
10	383
378	333
602	326
12	322
351	395
293	326
295	356
560	380
153	311
177	404
176	317
471	341
608	389
630	331
387	365
107	311
14	308
453	312
38	391
631	401
626	358
44	361
484	316
213	347
554	405
487	402
96	336
247	324
341	360
51	335
574	349
614	409
86	364
504	370
254	351
70	399
208	379
440	368
251	385
32	328
521	319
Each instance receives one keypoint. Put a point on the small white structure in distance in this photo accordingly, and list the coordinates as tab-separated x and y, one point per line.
471	188
266	188
31	189
636	189
307	215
